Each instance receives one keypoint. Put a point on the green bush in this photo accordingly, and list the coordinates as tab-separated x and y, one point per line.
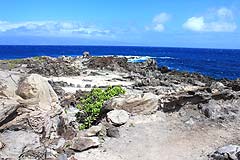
92	103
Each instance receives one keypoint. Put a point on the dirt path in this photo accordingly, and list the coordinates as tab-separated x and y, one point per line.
162	138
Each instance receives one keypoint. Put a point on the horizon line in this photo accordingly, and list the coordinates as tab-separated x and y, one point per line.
99	45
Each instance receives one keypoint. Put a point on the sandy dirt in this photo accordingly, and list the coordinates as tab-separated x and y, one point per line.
102	79
162	137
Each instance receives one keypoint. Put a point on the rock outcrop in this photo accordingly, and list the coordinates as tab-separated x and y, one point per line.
47	66
29	111
139	104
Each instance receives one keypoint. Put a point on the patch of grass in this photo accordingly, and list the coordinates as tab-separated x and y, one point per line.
13	63
39	59
92	103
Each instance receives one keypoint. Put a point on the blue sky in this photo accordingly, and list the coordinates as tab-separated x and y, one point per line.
175	23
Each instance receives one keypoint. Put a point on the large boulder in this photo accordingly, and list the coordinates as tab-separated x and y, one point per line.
137	103
35	90
39	106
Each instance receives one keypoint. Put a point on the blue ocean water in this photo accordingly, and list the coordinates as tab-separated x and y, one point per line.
217	63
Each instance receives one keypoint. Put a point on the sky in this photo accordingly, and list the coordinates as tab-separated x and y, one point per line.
175	23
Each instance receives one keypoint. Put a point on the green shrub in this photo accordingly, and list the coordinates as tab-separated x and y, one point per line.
92	103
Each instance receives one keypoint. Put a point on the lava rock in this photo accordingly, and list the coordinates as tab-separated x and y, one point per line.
113	132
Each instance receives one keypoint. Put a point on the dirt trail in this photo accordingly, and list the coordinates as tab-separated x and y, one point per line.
163	139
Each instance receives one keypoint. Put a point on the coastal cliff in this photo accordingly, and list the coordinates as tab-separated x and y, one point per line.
157	113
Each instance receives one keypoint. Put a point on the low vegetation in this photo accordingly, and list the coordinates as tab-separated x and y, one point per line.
12	63
40	59
92	103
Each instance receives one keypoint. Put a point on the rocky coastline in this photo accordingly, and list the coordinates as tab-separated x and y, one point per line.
164	113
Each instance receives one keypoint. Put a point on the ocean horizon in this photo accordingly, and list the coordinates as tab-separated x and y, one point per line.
216	63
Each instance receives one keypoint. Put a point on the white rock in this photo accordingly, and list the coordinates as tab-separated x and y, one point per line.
118	117
146	103
217	85
35	89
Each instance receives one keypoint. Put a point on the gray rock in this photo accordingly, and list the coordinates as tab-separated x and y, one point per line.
217	87
113	132
174	103
198	83
60	144
8	108
88	86
93	131
72	85
71	113
86	54
62	157
64	130
48	66
51	154
17	142
32	154
230	152
220	109
84	143
8	84
118	117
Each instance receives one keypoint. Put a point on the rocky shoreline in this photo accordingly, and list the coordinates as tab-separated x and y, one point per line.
166	114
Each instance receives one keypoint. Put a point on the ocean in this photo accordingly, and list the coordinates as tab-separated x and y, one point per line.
217	63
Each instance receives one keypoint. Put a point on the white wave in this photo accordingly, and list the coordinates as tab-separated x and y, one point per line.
130	58
166	58
139	58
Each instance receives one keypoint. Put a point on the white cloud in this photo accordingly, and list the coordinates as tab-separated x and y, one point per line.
158	22
161	18
225	13
159	27
195	24
51	28
223	21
